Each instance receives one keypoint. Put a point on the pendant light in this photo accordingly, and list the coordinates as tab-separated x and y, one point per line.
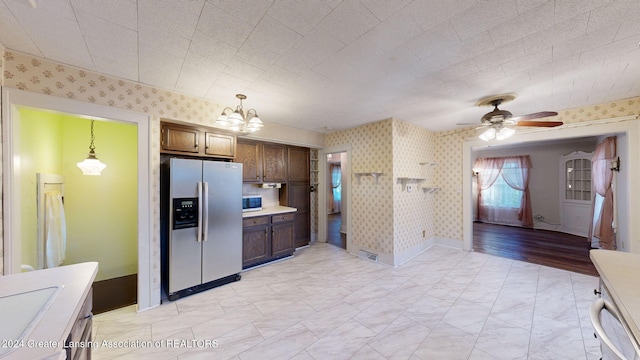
91	165
241	120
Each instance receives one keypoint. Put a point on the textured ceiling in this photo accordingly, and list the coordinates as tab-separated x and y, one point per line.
336	64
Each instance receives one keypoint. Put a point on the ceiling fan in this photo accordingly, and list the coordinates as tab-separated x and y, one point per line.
498	121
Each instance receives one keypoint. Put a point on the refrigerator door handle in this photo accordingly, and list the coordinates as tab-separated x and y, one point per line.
205	215
199	235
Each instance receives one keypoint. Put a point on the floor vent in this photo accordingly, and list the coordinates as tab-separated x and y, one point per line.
369	256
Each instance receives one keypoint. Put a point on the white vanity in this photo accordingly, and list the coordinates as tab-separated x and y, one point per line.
46	314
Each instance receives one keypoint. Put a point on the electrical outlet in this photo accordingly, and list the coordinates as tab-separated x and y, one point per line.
409	187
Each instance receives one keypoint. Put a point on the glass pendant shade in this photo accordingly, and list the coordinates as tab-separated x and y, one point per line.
254	124
91	165
236	118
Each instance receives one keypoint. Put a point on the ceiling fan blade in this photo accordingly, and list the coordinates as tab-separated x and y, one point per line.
473	123
540	123
532	116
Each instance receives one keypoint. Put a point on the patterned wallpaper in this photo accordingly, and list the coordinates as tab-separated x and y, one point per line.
413	212
372	207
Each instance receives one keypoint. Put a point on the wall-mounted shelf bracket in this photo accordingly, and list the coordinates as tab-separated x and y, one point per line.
430	189
375	174
407	182
428	163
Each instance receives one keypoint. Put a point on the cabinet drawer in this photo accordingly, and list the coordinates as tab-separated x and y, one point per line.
282	218
255	221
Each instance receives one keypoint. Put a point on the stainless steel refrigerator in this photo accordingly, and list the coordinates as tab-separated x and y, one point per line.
201	214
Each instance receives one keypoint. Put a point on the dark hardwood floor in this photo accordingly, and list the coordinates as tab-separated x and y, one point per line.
543	247
334	237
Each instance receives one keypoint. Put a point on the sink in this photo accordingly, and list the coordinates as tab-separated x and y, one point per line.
21	312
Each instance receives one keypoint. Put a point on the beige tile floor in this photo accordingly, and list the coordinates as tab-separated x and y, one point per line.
326	304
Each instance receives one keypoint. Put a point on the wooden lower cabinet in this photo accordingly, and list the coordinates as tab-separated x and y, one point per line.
255	245
267	238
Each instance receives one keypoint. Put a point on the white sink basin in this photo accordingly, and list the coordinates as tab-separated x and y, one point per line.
21	312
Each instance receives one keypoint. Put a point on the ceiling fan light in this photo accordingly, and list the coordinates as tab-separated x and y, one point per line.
488	134
504	133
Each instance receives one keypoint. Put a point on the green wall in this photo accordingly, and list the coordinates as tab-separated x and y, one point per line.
101	211
41	151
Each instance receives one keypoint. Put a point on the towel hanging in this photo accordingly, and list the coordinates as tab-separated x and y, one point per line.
55	229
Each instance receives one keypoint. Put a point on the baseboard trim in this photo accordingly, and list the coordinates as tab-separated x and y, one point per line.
453	243
416	250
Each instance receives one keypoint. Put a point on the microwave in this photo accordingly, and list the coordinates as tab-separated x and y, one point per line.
251	203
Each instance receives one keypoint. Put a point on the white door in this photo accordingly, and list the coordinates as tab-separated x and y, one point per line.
575	192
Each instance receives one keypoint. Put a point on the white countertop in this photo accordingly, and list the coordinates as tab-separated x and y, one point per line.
620	272
53	324
271	210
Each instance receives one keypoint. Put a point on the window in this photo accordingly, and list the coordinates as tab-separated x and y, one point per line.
500	194
503	190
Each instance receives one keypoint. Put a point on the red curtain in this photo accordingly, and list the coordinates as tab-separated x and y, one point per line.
602	177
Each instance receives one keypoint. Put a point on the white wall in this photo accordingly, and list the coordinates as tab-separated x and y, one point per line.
544	183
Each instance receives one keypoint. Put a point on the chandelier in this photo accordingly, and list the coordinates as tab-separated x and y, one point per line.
496	131
239	119
91	165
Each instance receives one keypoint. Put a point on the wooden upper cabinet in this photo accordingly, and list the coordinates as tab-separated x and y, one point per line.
220	145
274	163
249	154
198	141
179	138
298	158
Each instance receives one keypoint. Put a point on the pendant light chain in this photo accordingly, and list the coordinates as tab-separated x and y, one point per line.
92	146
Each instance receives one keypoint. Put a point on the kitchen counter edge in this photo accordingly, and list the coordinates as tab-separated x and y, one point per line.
272	210
57	321
619	273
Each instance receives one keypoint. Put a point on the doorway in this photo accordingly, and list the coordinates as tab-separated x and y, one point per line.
334	196
628	130
336	232
92	224
14	101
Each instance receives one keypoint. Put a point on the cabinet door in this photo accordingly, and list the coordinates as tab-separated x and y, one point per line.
274	161
302	228
249	155
255	245
282	239
220	145
178	138
298	196
298	158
